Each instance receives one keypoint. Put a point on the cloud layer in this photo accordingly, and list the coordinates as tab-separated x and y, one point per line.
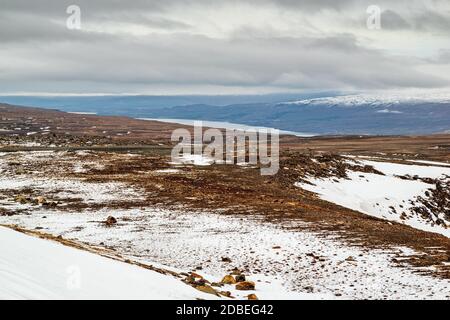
187	46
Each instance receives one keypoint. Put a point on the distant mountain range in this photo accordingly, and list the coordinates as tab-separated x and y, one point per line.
357	114
375	114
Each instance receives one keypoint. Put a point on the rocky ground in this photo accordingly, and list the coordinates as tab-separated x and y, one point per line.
107	182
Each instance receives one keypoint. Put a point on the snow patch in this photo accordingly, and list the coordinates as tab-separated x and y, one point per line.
194	159
32	268
381	196
283	261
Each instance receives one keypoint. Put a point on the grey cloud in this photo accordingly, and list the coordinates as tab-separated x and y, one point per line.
180	59
141	19
24	27
432	21
442	58
425	20
393	21
40	54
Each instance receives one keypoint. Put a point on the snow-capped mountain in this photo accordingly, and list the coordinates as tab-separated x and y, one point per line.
373	113
379	98
386	113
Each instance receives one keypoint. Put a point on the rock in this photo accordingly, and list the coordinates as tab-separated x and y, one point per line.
240	278
50	204
236	272
252	297
228	279
40	200
309	289
217	284
110	221
207	289
21	199
195	275
189	280
195	281
225	294
245	285
20	171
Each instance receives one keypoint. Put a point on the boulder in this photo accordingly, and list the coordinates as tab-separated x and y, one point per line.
236	272
41	200
110	221
228	279
240	278
245	285
21	199
226	259
217	284
225	294
207	289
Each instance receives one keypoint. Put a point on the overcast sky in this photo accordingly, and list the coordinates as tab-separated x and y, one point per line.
209	46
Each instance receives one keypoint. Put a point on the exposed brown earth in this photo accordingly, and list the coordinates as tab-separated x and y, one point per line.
75	130
431	147
234	189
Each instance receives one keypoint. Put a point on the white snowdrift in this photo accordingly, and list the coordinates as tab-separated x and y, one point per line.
392	169
32	268
376	195
196	160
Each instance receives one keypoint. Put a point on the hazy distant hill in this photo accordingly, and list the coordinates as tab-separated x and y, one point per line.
140	105
338	115
314	113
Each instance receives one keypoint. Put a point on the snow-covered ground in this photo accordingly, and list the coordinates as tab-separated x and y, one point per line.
383	196
194	159
125	237
33	268
282	261
73	189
